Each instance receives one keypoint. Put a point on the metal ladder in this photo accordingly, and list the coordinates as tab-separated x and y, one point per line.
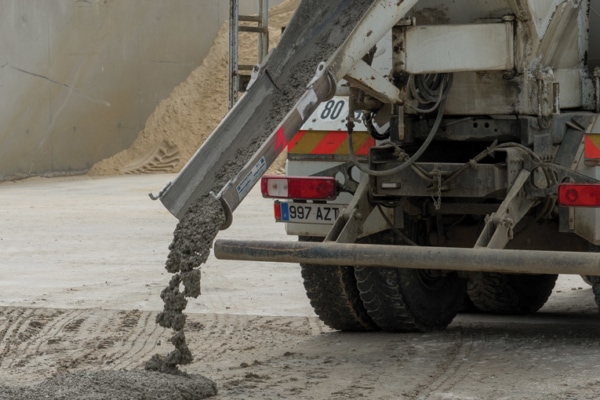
239	74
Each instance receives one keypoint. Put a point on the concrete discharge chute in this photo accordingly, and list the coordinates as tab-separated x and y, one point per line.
315	37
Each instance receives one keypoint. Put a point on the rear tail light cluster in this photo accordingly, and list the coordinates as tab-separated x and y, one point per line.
579	195
299	188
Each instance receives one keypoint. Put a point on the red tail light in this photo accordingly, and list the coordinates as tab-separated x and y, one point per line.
277	209
579	195
299	188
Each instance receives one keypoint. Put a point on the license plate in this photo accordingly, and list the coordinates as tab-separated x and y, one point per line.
308	213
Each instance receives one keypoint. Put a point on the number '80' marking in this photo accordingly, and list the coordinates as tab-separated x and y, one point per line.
333	109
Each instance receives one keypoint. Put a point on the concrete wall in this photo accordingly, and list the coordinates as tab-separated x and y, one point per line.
594	54
78	78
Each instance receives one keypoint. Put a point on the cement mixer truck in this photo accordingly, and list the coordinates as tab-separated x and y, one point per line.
441	156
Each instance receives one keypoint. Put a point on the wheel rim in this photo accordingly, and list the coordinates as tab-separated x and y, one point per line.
432	280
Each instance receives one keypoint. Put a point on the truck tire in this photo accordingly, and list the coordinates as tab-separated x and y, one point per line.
334	296
499	293
594	281
409	300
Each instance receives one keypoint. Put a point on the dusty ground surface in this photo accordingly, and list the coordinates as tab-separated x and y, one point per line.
82	266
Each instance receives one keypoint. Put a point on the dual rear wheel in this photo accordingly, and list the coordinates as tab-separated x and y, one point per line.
334	295
392	299
351	298
509	293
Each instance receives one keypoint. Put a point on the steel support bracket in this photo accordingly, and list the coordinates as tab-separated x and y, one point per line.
367	79
498	229
349	225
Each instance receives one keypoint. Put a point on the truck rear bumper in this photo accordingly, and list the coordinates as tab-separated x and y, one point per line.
415	257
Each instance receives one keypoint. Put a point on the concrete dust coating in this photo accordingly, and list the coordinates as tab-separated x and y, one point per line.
82	267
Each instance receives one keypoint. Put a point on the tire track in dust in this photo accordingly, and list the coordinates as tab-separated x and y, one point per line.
37	343
51	342
10	339
74	340
8	314
124	333
145	336
210	336
51	323
59	318
456	365
111	337
29	330
86	338
116	345
254	355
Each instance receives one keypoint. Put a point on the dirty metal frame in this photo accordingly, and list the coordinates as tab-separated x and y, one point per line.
338	247
234	28
234	79
231	195
499	225
488	254
348	227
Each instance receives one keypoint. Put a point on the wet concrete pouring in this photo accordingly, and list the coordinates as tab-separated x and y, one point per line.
195	234
190	248
196	231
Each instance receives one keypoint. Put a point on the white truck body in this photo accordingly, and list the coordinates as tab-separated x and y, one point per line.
479	144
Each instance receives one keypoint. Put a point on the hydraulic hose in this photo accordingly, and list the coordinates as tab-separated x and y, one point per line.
429	89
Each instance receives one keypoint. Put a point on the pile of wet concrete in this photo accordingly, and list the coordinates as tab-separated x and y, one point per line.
115	385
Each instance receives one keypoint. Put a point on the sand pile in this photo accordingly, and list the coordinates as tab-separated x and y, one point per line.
183	121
